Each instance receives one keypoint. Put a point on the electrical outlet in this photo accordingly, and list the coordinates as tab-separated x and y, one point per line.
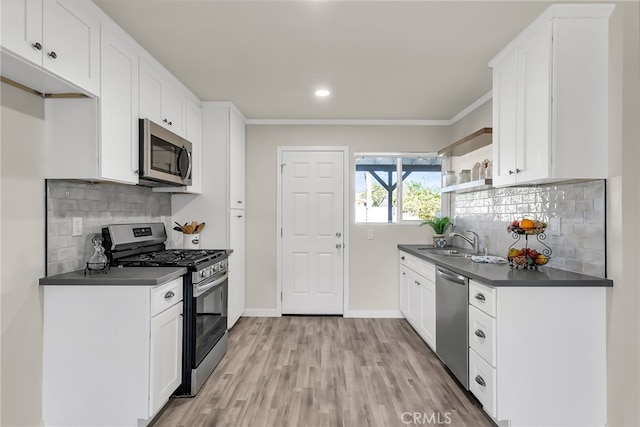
370	234
77	226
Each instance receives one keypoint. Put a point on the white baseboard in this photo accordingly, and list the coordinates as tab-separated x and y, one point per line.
371	314
260	312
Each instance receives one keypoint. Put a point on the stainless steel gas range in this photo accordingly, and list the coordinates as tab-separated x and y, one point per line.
205	293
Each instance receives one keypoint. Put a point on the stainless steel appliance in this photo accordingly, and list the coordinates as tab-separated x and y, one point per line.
205	293
165	158
452	323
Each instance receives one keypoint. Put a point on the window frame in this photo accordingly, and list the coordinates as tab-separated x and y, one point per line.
399	184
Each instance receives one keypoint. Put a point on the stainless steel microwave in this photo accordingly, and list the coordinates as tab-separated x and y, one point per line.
165	158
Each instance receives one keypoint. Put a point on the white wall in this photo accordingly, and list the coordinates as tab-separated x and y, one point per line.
623	300
373	270
23	251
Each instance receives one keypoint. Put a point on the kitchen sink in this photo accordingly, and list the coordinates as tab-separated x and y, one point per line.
445	252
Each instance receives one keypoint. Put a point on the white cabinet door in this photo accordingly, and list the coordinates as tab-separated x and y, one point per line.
236	161
414	305
404	290
22	28
150	102
533	108
119	110
71	44
236	266
160	101
428	312
166	356
504	121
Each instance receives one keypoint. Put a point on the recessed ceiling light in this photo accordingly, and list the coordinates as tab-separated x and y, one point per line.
323	93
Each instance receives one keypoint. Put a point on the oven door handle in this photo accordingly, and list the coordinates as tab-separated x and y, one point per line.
199	290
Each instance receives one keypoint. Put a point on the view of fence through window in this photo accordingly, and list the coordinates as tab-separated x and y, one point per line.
377	197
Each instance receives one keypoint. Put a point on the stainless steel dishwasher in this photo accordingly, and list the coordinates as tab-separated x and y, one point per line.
452	323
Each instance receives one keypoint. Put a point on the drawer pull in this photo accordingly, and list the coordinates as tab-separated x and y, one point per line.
480	297
480	381
480	333
169	295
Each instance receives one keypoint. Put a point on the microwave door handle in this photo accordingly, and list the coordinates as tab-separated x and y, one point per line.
199	290
190	159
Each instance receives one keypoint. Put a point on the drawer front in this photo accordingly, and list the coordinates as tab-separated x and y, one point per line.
164	296
482	382
482	297
420	266
482	334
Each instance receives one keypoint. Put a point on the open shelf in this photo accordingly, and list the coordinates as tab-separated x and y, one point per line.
481	184
469	143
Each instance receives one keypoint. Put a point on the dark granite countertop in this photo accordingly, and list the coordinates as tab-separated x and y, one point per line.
116	276
502	274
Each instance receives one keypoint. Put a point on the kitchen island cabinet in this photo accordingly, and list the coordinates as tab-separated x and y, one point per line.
112	353
550	98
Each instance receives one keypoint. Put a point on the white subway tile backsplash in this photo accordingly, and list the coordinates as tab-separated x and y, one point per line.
580	247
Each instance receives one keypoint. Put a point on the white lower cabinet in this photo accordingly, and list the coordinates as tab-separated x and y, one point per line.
537	355
112	354
418	296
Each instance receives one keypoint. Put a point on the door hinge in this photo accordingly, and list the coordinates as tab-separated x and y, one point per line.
282	165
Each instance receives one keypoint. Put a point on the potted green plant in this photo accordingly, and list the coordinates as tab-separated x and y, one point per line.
440	226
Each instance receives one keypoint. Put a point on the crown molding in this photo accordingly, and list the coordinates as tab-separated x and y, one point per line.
370	122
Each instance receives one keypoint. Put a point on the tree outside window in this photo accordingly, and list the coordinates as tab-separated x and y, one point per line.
377	196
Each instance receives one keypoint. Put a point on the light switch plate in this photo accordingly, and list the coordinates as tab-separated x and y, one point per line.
553	227
77	226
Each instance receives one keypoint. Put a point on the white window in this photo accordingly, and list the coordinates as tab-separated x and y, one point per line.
378	177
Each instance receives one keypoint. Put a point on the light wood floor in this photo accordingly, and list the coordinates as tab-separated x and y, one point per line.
325	371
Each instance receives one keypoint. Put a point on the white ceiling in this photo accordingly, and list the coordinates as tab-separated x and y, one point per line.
394	60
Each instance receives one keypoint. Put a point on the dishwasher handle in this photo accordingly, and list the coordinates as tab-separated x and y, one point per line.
451	276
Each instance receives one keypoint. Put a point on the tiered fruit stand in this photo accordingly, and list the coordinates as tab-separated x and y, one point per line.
528	258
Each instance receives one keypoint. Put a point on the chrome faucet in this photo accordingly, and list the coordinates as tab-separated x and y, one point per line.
475	242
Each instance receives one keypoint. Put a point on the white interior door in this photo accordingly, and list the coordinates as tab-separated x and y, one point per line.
312	232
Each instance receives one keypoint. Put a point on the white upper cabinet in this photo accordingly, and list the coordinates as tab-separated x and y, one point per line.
100	134
550	97
119	110
160	100
60	36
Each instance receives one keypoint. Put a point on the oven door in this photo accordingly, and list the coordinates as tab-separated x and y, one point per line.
210	306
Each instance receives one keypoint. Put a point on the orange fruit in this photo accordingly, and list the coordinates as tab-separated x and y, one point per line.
527	224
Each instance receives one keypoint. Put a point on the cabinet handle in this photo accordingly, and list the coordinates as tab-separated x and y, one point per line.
511	172
338	245
167	121
416	282
480	381
239	201
518	170
480	297
37	46
404	274
169	295
239	216
402	258
170	124
52	55
480	333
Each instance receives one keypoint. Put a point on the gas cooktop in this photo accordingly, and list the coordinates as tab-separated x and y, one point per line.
172	257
